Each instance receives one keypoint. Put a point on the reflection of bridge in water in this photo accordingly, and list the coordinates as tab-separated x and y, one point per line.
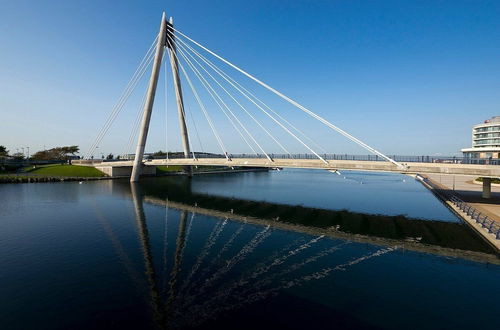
438	237
195	292
192	293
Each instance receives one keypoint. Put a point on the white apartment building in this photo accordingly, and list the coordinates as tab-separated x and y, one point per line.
485	140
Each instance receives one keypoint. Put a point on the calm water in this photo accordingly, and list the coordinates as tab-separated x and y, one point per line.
372	251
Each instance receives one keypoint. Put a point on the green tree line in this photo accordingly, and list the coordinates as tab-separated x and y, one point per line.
57	153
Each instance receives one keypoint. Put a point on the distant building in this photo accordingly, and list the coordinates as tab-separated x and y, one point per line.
485	141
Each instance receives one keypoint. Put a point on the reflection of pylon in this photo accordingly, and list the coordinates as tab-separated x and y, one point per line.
156	301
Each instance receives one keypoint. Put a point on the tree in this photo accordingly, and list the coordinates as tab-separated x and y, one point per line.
3	151
70	150
41	155
18	156
58	153
110	156
159	154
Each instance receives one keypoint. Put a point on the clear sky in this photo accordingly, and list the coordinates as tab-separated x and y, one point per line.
407	77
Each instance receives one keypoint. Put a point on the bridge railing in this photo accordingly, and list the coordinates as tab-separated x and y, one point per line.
398	158
492	226
489	224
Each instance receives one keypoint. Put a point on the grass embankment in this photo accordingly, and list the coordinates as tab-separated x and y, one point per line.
493	180
167	169
66	171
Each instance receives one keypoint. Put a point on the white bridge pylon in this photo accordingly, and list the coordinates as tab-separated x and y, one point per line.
185	54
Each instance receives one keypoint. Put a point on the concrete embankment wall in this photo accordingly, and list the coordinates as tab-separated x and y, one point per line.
125	171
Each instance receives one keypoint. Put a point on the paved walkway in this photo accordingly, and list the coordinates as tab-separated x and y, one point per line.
470	192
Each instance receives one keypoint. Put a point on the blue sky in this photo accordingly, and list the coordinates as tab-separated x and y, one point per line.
407	77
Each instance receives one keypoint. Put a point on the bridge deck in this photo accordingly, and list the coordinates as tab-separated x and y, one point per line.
492	171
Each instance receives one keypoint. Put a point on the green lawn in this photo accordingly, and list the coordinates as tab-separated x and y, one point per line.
166	169
67	170
177	168
492	180
31	168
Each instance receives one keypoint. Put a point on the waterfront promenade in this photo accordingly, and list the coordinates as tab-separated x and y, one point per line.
470	192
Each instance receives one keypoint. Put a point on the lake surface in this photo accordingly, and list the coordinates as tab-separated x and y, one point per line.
291	249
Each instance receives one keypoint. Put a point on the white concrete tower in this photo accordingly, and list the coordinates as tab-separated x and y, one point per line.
150	98
178	92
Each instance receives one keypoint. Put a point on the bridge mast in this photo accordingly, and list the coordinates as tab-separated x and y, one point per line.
178	92
148	105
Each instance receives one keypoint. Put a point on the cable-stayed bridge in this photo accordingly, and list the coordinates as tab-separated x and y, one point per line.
244	112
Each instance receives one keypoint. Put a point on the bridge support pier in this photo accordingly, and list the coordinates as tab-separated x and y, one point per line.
486	187
150	98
